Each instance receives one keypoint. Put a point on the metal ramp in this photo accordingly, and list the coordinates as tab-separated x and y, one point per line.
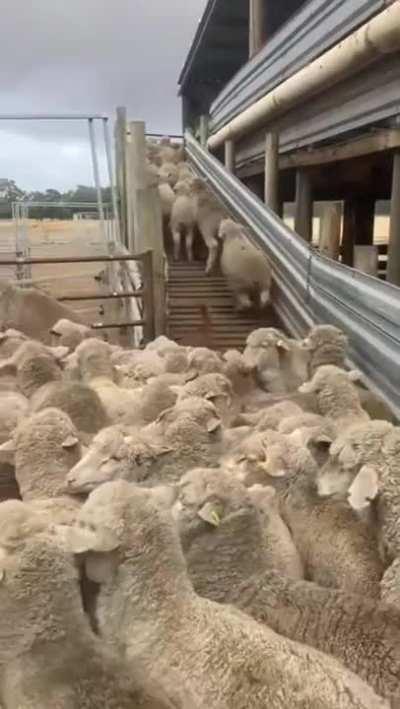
201	310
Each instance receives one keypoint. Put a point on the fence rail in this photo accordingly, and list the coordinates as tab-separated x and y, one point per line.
310	288
146	260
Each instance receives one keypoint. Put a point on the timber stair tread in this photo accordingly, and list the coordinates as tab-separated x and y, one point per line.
201	310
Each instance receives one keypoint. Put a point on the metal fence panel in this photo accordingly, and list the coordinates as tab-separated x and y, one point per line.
309	288
316	27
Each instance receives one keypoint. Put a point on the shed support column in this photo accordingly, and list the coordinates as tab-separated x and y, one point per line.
271	195
203	130
304	205
393	266
230	155
358	225
256	26
330	229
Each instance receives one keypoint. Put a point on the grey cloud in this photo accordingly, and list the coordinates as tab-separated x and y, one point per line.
86	56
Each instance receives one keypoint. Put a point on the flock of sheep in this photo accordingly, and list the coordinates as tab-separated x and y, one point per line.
188	206
196	530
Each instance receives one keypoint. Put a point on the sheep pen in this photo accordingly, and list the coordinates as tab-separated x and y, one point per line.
193	528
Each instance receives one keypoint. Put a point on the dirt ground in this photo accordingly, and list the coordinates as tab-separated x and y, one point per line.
56	238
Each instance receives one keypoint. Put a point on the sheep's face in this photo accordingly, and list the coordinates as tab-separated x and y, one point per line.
106	460
329	378
256	459
325	335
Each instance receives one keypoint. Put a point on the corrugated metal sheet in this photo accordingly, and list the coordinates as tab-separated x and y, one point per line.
315	28
310	288
370	97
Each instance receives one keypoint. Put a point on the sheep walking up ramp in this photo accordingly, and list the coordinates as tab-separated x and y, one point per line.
201	310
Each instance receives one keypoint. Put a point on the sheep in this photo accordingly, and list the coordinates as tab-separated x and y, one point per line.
225	536
363	635
210	655
10	341
20	521
51	657
209	215
246	269
336	395
184	436
80	402
31	311
168	173
363	469
270	417
69	334
213	387
337	549
13	409
44	447
34	365
280	362
307	428
327	345
202	360
167	196
183	220
184	171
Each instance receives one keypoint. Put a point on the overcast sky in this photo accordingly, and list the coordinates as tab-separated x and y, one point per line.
85	56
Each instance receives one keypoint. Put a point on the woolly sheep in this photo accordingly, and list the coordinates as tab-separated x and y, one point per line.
326	345
183	436
10	341
183	220
184	171
167	196
210	654
263	352
51	657
31	311
215	388
20	521
34	365
168	173
209	215
336	395
246	268
80	402
307	428
44	448
337	549
69	334
13	409
224	536
271	417
363	635
363	468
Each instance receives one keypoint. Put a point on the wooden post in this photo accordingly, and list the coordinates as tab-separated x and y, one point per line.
230	155
120	164
393	266
358	225
203	130
330	230
366	259
148	300
271	196
147	218
304	205
256	26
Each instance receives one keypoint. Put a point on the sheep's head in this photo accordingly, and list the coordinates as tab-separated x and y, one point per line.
68	333
229	229
329	378
121	521
326	335
272	417
354	455
201	361
215	388
168	173
192	420
94	359
183	188
106	459
240	372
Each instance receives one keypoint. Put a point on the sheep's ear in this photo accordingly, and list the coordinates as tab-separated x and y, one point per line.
59	352
364	488
323	438
210	395
163	414
354	375
7	452
306	388
213	424
190	375
70	441
282	345
211	513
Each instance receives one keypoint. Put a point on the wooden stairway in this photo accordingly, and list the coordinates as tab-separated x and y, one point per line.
201	311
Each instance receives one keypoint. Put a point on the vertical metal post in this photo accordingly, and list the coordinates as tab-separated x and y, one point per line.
203	130
256	26
304	205
148	296
111	178
96	175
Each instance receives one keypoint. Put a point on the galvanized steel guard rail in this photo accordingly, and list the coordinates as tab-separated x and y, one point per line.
316	27
309	288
